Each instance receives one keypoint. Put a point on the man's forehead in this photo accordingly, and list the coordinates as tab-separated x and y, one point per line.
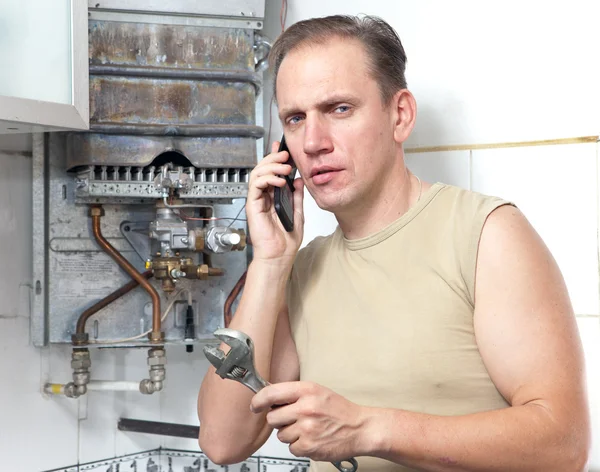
332	50
320	71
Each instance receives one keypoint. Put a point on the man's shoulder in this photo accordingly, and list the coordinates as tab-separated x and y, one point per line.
458	204
466	197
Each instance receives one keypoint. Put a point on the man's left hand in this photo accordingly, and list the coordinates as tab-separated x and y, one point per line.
315	421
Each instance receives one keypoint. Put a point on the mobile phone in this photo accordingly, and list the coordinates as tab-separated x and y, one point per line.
284	196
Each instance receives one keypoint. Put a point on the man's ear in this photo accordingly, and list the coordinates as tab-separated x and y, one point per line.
404	110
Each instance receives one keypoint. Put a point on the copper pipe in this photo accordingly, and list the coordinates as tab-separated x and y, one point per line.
231	298
156	336
87	314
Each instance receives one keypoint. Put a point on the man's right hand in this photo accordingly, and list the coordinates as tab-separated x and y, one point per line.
270	241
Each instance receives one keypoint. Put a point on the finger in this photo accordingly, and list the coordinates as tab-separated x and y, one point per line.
255	191
298	206
275	156
275	146
296	449
288	435
282	416
271	168
278	394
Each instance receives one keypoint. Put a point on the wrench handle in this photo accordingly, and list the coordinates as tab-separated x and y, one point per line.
339	465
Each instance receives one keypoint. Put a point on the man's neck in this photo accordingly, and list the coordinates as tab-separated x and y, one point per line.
398	194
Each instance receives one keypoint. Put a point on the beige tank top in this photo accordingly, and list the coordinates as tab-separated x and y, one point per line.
387	320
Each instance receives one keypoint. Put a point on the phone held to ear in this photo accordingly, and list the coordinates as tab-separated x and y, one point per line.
284	196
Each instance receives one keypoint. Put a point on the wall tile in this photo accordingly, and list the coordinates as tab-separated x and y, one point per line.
450	167
99	436
179	400
555	187
589	330
474	83
27	416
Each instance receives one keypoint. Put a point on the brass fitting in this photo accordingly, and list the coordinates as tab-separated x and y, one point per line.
197	237
202	272
242	244
80	339
96	210
157	362
156	338
168	285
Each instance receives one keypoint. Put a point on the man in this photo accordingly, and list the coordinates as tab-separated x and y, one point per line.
431	331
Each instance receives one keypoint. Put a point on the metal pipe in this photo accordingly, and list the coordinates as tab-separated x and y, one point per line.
80	337
114	386
227	316
96	385
96	212
183	205
155	427
224	75
236	131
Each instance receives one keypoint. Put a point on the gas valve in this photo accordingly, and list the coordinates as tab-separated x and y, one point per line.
216	239
169	269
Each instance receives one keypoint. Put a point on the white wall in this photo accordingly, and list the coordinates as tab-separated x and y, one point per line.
511	72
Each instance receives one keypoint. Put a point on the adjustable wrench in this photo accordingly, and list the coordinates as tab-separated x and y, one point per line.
238	365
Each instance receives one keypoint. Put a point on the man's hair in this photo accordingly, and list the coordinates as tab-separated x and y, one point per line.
386	56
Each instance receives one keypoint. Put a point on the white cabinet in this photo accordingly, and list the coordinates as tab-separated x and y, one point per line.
43	65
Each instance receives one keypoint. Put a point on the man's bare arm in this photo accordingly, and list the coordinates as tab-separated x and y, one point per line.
530	344
229	432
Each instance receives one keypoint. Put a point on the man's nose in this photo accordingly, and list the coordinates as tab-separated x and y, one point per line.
317	138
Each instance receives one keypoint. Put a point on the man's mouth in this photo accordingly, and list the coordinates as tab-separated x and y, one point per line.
323	175
322	170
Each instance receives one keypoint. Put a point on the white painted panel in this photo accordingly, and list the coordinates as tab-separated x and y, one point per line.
555	187
491	71
15	233
447	167
16	142
36	50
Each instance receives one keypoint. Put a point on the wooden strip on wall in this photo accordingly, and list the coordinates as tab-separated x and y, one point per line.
473	147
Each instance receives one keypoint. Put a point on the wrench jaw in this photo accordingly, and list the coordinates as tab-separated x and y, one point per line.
214	355
235	339
229	369
238	363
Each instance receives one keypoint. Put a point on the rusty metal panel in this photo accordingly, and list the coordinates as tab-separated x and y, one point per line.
159	101
84	149
174	46
156	88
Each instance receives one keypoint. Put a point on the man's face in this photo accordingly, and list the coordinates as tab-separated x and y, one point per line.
336	126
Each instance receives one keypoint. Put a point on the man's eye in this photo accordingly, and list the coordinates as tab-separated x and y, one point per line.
342	109
294	120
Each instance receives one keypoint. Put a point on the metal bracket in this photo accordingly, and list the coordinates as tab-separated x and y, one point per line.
136	233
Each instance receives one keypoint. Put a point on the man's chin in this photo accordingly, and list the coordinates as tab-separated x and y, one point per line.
330	205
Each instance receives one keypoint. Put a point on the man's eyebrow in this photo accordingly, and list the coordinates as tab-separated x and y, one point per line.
324	104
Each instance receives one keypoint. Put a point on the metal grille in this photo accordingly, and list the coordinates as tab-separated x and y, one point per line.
138	182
